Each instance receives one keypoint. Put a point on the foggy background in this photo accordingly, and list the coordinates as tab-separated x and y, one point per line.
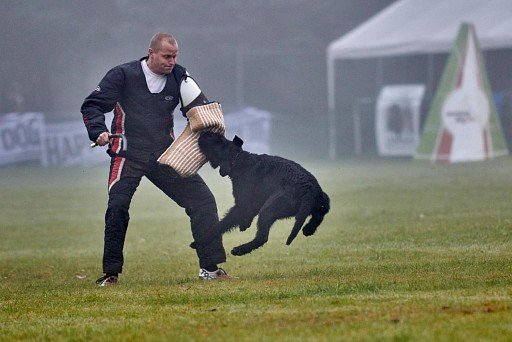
270	55
265	54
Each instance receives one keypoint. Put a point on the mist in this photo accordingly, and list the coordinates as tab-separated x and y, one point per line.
270	55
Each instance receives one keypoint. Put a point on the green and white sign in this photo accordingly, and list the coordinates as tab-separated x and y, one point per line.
462	124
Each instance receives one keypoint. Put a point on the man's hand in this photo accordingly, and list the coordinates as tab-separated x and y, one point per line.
103	139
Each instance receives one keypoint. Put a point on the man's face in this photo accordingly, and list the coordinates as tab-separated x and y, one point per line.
163	60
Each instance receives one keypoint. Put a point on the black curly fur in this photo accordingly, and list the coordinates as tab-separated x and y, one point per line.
268	186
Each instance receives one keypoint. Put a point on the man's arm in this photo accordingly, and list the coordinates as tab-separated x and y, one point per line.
102	100
190	94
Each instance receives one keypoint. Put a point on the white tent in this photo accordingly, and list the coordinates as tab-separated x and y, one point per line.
409	27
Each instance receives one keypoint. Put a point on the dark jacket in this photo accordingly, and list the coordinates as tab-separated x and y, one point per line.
146	119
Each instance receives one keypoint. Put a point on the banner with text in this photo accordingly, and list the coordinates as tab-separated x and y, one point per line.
462	124
67	143
26	137
21	137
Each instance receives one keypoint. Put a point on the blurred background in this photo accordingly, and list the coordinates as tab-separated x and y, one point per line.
264	54
267	55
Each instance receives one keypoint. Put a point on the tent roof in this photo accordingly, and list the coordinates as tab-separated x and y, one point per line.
419	26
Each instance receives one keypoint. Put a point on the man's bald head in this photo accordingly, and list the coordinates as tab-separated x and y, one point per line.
157	40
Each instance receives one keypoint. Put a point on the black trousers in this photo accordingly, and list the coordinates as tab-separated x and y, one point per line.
190	193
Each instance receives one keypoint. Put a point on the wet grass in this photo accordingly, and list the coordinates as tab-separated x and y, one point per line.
410	251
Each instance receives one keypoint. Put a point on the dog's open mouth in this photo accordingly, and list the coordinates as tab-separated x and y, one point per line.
223	171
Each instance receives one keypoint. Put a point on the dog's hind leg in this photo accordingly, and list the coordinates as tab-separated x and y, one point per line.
301	216
278	206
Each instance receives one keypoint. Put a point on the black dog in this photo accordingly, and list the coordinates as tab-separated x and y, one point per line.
271	187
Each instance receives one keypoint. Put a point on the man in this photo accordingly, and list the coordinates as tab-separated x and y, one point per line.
143	95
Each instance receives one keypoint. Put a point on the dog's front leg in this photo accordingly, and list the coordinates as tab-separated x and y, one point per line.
248	216
231	220
246	199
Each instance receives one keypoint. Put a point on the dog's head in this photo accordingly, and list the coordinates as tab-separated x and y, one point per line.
220	151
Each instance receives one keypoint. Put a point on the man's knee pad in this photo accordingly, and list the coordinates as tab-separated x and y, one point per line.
117	210
119	202
205	206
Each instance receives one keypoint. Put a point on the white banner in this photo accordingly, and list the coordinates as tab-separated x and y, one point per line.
397	119
21	137
67	144
253	126
27	137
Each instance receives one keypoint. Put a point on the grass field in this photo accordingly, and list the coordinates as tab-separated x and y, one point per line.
409	251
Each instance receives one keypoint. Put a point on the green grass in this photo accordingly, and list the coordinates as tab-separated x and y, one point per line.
409	251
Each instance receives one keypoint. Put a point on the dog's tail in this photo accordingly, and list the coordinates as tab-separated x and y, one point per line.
304	211
321	208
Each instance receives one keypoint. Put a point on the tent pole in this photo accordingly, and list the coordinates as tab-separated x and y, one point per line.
380	74
331	100
356	121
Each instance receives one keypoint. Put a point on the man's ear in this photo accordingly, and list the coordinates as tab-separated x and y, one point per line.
238	142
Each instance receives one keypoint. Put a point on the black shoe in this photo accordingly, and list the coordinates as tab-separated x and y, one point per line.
107	280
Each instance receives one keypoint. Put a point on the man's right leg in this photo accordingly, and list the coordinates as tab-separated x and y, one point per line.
125	176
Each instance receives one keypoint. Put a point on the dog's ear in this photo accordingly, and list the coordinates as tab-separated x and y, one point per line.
238	142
